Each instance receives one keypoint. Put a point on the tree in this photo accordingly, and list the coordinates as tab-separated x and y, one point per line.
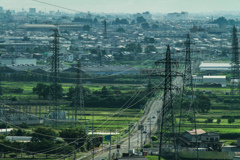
231	120
218	121
86	28
104	92
28	50
150	48
71	134
45	91
149	40
133	22
149	90
203	103
12	49
58	88
25	38
120	30
40	90
145	25
130	47
155	26
95	20
141	20
209	120
44	133
36	50
221	21
138	48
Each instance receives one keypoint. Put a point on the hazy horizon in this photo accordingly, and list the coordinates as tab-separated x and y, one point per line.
125	6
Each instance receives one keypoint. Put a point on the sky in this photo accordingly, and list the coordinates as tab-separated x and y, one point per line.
126	6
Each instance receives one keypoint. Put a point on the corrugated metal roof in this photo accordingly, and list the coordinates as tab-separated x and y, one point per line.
215	77
214	65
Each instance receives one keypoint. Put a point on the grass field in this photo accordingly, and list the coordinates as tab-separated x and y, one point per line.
220	109
104	118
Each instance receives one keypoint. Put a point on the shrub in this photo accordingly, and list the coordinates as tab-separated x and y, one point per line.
218	120
154	138
23	125
148	145
231	120
209	120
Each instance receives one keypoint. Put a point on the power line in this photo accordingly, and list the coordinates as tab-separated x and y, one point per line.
50	4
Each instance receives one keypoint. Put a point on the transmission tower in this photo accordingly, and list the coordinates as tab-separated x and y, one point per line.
54	78
188	82
79	100
167	123
234	65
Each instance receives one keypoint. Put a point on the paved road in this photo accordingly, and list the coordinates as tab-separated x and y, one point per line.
135	140
151	114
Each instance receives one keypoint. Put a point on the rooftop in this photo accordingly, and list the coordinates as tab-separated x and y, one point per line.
198	131
215	77
214	65
39	25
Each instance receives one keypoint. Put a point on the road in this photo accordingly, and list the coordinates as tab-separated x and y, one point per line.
135	139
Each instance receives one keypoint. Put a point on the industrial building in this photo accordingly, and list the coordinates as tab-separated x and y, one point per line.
215	79
38	27
107	70
18	61
214	67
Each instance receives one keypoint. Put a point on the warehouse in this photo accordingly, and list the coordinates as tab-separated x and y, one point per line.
212	68
215	79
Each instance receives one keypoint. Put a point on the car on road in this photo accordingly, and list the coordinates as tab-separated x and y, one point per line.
153	117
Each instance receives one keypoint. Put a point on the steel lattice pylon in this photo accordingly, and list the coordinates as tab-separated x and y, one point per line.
187	79
188	82
234	65
79	100
166	117
54	76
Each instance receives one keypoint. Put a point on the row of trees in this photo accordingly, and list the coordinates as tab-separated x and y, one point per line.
106	97
202	103
44	140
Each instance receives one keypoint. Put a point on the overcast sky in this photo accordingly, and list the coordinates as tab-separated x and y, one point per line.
127	6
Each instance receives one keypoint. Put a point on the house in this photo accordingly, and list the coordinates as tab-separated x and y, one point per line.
233	150
202	138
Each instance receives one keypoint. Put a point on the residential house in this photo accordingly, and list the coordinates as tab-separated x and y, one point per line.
202	138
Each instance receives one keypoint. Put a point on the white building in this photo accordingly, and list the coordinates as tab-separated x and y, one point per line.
3	131
215	79
215	67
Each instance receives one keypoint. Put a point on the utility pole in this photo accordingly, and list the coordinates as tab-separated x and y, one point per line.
109	156
138	139
92	136
167	133
128	136
150	128
141	138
